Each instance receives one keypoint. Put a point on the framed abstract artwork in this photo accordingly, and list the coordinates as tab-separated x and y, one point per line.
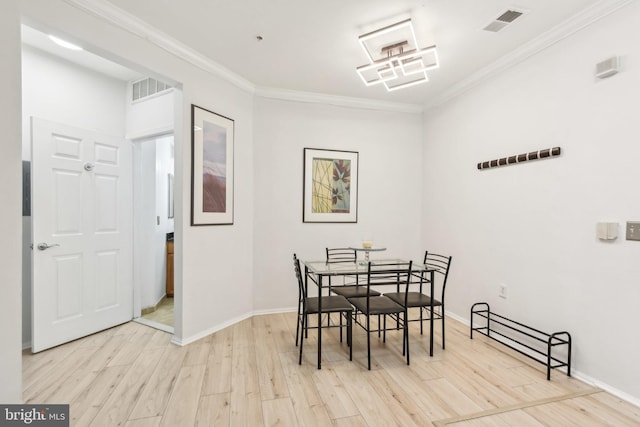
330	189
211	168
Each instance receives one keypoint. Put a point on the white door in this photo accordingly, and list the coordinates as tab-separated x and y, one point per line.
82	272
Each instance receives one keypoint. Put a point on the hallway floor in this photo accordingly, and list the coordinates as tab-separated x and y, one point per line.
163	313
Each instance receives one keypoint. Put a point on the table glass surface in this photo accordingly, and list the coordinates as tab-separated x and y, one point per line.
325	268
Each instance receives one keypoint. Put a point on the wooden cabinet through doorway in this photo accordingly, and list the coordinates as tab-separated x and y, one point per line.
170	268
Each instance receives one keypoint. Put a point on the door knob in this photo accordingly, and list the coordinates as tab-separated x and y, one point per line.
43	246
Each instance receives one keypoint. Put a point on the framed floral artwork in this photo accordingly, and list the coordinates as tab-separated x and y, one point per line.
330	188
211	168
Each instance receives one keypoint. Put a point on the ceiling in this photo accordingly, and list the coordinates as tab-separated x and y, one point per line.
41	41
312	46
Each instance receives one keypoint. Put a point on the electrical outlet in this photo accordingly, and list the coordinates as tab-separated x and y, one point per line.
503	291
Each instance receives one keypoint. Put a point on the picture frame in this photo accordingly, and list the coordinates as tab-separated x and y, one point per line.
330	187
212	140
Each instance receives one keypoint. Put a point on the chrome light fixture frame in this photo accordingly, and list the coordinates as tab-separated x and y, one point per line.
395	59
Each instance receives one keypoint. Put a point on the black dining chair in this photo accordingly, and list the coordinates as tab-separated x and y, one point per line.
341	255
383	273
312	305
440	264
351	289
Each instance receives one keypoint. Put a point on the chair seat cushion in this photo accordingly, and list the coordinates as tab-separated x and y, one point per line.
414	299
330	304
377	305
353	291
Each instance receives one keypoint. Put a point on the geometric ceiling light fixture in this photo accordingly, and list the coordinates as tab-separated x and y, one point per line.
396	60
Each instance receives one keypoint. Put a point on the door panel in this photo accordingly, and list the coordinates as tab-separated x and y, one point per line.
68	285
67	208
107	280
66	147
106	155
106	197
82	209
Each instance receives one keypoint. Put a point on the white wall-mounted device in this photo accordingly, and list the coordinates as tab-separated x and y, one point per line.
633	230
608	67
607	230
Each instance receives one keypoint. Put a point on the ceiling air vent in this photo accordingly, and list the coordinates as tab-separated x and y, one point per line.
147	87
503	20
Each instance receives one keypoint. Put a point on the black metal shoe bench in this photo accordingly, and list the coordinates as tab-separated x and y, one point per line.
514	334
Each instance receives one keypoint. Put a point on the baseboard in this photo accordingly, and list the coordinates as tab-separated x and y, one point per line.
462	320
275	311
196	337
152	308
606	387
188	340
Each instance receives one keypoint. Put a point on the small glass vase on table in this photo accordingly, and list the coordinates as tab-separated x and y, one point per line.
367	245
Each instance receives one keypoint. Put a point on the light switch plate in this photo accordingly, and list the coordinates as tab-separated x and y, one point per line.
633	230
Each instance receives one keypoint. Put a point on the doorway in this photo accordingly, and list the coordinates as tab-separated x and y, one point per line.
77	87
153	170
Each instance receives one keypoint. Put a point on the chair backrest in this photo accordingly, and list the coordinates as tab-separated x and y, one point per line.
441	265
341	255
302	292
396	273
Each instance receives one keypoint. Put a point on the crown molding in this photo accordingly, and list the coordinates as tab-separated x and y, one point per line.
134	25
341	101
571	26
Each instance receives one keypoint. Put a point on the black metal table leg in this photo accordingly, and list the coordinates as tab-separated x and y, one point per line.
319	321
431	277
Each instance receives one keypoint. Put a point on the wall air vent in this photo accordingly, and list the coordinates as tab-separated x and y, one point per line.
506	18
608	67
147	87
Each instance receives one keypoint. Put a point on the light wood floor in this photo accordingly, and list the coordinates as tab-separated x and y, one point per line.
248	375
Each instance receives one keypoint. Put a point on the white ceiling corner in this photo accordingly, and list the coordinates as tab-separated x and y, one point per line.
575	23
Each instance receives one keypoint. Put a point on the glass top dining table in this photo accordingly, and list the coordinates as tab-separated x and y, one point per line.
324	268
316	271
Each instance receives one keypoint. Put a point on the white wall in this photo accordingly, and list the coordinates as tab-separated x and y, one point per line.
152	116
532	226
11	190
390	174
60	91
